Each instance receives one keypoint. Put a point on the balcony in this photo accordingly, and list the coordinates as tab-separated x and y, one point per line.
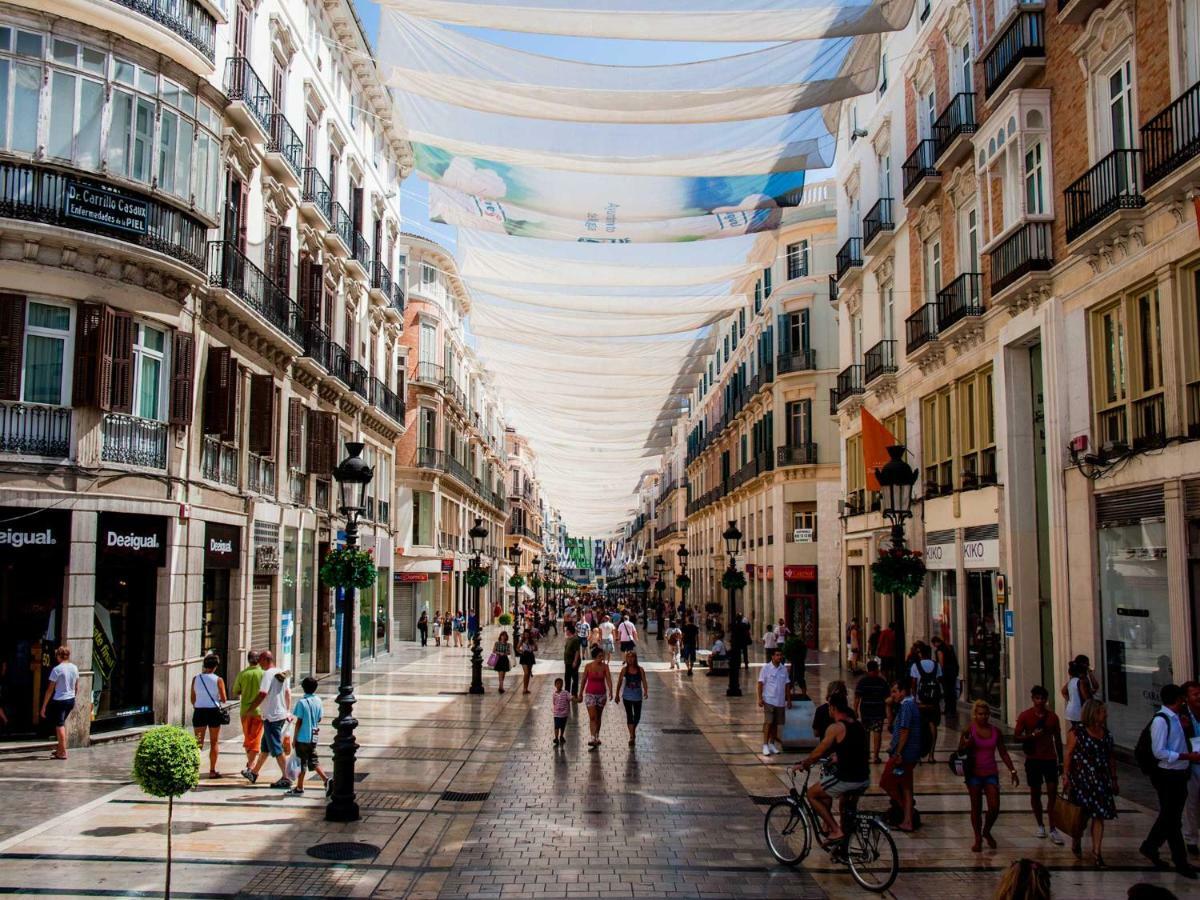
397	301
879	361
297	487
359	263
134	441
341	234
285	151
31	429
387	401
803	360
1170	142
796	455
833	291
316	202
878	222
381	283
185	19
938	480
250	103
1104	199
228	268
32	193
429	458
455	393
360	380
316	345
428	373
951	141
1022	258
1077	12
959	300
849	383
921	330
260	475
849	257
1017	55
218	461
921	176
339	363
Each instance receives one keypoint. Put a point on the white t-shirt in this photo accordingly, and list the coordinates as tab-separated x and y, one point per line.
65	676
1074	710
606	630
774	680
274	705
770	639
627	631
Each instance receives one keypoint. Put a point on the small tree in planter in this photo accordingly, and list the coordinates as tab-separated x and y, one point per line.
167	764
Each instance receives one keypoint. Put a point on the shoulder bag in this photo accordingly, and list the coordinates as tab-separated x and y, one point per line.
217	706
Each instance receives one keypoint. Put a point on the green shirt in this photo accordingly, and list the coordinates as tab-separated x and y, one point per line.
247	686
570	649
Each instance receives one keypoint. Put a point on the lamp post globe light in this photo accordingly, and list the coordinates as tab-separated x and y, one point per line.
896	479
352	475
733	537
478	534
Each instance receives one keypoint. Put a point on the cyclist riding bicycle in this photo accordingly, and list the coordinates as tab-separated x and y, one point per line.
850	777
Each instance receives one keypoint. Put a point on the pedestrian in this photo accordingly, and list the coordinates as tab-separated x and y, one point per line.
849	779
1191	813
904	752
627	633
447	627
674	639
795	648
983	741
206	710
502	650
308	712
572	658
472	626
1025	879
774	699
853	645
245	688
945	656
770	641
560	707
1041	739
718	654
527	657
927	688
1090	774
886	648
634	687
822	717
873	641
59	699
741	638
423	628
1077	691
690	640
782	631
1170	779
275	700
458	628
582	631
597	686
607	642
870	705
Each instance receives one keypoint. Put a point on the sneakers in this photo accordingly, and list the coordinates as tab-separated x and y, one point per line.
296	792
249	775
768	750
281	783
1040	833
1056	837
778	747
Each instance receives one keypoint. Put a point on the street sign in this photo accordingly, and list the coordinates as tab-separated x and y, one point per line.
1009	625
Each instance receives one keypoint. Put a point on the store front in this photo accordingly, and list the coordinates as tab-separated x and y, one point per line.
307	603
941	584
801	598
34	550
981	562
222	555
130	550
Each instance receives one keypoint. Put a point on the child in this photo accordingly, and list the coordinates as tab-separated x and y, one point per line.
561	707
307	712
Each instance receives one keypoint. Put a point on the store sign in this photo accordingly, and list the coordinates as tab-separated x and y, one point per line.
222	546
981	554
800	573
447	565
266	559
939	556
411	577
802	536
34	535
142	538
108	207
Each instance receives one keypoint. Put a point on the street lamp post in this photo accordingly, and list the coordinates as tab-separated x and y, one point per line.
659	586
352	475
535	571
683	561
733	537
478	534
896	480
645	586
514	554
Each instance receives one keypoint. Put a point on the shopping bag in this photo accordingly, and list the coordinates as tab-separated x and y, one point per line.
293	767
492	660
797	730
1069	817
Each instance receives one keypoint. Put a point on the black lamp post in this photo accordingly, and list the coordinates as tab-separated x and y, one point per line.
683	560
645	591
514	555
659	586
896	480
733	537
535	572
478	534
352	475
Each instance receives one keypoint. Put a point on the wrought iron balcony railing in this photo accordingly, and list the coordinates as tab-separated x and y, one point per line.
1029	249
186	18
134	441
1025	38
381	278
803	360
242	84
229	268
957	118
849	256
315	190
316	345
960	299
878	220
429	373
1172	137
32	429
849	383
218	460
1108	186
879	360
282	139
921	327
919	166
804	454
342	225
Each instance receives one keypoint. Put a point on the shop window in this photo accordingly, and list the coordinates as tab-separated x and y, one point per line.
797	260
977	429
47	362
896	426
1127	376
937	443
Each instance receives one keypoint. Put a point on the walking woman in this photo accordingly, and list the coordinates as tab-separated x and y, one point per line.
528	650
423	628
447	627
633	688
983	740
597	687
208	693
503	650
1090	773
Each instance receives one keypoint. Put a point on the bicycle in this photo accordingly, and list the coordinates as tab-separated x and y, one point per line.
868	850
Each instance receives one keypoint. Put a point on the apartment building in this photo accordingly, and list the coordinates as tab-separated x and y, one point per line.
759	446
1046	375
191	333
451	461
524	528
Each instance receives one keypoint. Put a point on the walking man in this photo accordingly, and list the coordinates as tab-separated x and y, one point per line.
572	657
245	688
774	699
1170	746
1041	739
691	637
627	633
1191	815
905	752
275	699
741	641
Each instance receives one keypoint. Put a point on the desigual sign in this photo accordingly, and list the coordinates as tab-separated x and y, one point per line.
34	534
19	539
142	538
222	546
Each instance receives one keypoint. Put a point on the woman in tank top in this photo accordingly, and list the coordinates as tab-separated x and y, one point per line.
983	740
632	686
208	693
597	688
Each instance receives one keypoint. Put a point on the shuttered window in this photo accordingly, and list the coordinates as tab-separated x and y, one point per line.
103	370
261	437
121	369
322	440
220	394
183	377
295	434
12	337
1129	507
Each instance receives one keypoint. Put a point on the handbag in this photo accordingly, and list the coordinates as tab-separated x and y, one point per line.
962	763
492	660
1070	818
224	713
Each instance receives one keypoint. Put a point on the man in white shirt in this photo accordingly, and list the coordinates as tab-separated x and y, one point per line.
770	642
1191	816
60	698
275	698
627	633
606	637
1169	742
774	698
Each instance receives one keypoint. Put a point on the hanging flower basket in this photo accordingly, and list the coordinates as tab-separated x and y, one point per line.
349	567
683	582
477	578
535	582
733	581
516	581
898	572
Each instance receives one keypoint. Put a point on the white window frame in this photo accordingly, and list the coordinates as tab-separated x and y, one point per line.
969	234
68	339
887	312
140	352
797	254
1035	175
1107	137
934	274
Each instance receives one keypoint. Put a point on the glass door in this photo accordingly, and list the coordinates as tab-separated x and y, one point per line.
983	637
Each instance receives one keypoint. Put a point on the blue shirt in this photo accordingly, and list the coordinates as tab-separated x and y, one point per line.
909	716
308	711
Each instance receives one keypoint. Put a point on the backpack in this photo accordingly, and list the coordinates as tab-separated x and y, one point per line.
929	689
1143	750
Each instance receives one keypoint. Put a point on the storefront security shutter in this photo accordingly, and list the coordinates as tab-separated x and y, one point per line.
260	615
404	609
940	537
1191	499
1125	507
981	533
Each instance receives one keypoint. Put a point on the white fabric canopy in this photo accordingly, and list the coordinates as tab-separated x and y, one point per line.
714	298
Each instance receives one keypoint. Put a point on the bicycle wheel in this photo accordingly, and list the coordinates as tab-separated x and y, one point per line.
872	857
787	832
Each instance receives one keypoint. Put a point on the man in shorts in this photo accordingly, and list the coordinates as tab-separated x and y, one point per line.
774	699
245	688
628	635
846	737
1040	734
275	699
870	702
691	637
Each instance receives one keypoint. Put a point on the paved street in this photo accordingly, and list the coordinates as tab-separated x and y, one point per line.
466	797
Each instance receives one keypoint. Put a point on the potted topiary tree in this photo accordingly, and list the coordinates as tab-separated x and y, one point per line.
167	764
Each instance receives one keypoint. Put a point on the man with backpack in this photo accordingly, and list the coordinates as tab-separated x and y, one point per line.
927	686
944	656
1162	752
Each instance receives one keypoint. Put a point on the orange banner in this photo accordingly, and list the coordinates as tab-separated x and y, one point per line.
875	441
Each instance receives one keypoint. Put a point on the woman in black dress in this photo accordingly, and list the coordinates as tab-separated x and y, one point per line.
503	649
527	658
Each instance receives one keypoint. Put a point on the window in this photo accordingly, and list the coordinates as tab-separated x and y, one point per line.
856	339
741	327
1190	32
797	260
428	274
799	423
1035	180
885	175
766	282
47	360
977	429
76	105
798	331
883	72
896	426
855	476
427	349
1190	283
966	74
1120	107
929	113
758	296
933	269
422	534
887	314
969	229
805	520
149	372
1128	371
937	435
